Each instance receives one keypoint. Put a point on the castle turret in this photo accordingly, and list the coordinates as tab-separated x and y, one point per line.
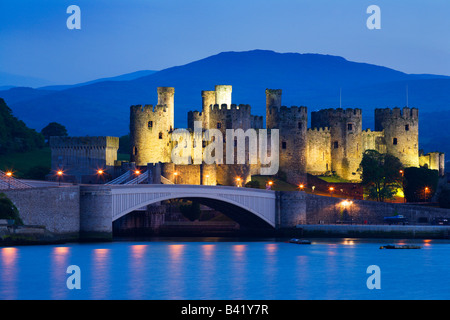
223	95
166	97
150	129
292	125
208	100
273	100
345	137
401	132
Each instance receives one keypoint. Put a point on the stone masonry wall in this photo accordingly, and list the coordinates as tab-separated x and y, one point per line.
58	208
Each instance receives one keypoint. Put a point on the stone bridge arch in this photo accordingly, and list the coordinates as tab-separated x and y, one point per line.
101	205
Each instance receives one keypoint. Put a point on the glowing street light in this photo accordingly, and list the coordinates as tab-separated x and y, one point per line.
331	190
176	176
301	186
137	173
100	172
60	174
269	185
238	181
9	175
426	193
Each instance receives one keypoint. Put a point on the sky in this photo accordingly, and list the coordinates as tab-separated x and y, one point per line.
122	36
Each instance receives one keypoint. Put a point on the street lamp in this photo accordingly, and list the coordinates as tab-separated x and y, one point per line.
137	173
301	186
238	181
100	172
9	175
176	177
331	190
426	193
60	174
269	185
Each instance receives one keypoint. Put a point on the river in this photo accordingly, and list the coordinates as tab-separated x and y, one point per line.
218	268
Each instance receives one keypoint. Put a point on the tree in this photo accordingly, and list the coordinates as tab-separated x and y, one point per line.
420	184
15	136
8	210
54	129
381	174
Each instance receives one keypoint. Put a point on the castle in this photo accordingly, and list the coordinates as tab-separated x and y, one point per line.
334	143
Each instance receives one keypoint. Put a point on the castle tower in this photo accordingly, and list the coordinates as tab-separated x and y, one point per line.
401	132
223	95
150	129
208	100
273	100
166	97
345	137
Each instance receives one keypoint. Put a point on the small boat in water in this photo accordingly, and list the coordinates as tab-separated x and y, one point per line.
299	241
400	246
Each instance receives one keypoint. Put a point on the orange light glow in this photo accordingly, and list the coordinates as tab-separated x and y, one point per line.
137	172
331	188
100	171
59	173
9	174
270	183
301	186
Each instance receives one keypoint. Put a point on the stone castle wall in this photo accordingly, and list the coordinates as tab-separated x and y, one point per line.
318	151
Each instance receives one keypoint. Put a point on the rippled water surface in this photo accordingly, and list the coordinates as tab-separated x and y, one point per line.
217	269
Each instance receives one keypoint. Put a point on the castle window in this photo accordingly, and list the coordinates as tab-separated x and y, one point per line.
219	125
336	144
394	141
150	124
299	125
406	127
283	145
160	135
135	150
349	126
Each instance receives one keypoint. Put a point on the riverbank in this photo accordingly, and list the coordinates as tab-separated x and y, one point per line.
374	231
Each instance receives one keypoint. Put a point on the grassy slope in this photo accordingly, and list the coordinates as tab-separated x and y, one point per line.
20	163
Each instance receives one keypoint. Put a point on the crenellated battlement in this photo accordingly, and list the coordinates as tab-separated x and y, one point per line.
319	130
405	113
339	112
148	109
294	111
224	108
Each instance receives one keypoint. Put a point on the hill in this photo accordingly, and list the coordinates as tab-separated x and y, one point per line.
313	80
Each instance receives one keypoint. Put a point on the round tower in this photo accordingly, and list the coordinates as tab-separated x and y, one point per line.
150	129
223	95
292	125
273	101
401	133
208	100
345	137
166	98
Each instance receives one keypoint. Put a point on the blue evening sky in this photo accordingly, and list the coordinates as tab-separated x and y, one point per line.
121	36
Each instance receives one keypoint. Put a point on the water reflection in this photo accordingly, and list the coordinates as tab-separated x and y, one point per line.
59	258
137	272
176	272
207	272
239	271
9	272
100	273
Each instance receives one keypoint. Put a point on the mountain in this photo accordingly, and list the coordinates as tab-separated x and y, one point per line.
14	80
312	80
123	77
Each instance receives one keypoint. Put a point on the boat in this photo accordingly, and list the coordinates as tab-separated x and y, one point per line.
400	246
299	241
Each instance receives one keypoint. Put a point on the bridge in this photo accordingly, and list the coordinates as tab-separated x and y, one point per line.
88	211
249	207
